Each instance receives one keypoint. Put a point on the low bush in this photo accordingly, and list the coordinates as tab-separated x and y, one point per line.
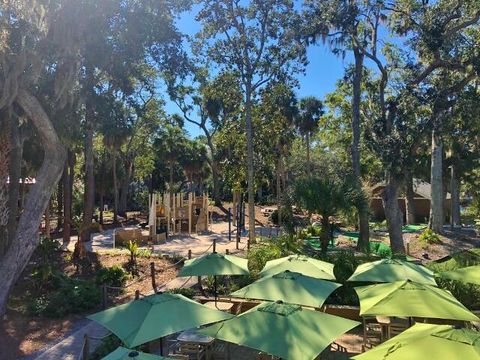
187	292
427	237
112	276
106	346
467	294
73	298
269	249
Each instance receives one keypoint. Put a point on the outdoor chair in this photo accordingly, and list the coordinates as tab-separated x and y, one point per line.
193	351
372	335
396	328
219	350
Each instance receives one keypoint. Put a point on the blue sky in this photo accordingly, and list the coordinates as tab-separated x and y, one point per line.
322	72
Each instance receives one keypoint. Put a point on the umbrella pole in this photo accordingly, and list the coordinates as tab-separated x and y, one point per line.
215	286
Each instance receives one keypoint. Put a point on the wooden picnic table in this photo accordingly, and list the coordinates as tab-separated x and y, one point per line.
192	337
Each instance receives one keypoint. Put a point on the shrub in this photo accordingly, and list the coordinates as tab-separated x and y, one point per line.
269	249
144	253
72	298
106	346
112	276
428	237
42	275
187	292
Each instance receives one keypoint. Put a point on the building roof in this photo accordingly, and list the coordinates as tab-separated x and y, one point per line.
421	188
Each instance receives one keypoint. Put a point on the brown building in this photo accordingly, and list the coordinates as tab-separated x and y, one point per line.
421	199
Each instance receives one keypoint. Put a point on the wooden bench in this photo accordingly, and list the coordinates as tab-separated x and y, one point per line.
122	237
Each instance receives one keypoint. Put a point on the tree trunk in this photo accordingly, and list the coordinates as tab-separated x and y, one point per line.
363	215
15	174
89	194
102	188
325	232
115	187
455	194
124	188
122	205
48	228
26	235
436	181
5	146
250	167
216	183
279	190
307	141
409	198
393	214
60	203
170	185
69	174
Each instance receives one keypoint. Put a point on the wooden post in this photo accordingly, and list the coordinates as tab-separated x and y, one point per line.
190	253
166	202
189	213
104	296
137	294
214	245
86	347
229	224
174	203
152	274
227	252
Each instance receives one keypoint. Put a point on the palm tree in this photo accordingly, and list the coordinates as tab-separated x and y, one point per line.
311	109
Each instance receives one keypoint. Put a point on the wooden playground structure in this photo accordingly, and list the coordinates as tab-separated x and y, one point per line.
171	214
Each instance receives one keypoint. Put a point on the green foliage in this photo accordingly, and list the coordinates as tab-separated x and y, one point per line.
379	226
69	297
467	294
106	346
47	249
144	253
380	249
428	237
187	292
209	283
269	249
345	264
132	248
112	276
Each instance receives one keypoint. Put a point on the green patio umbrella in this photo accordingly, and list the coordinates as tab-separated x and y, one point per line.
290	287
390	270
283	330
214	264
122	353
411	299
156	316
470	274
427	341
302	264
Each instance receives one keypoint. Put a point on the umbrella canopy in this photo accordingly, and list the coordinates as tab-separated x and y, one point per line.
300	264
410	299
284	330
290	287
470	274
156	316
215	264
426	341
390	270
122	353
